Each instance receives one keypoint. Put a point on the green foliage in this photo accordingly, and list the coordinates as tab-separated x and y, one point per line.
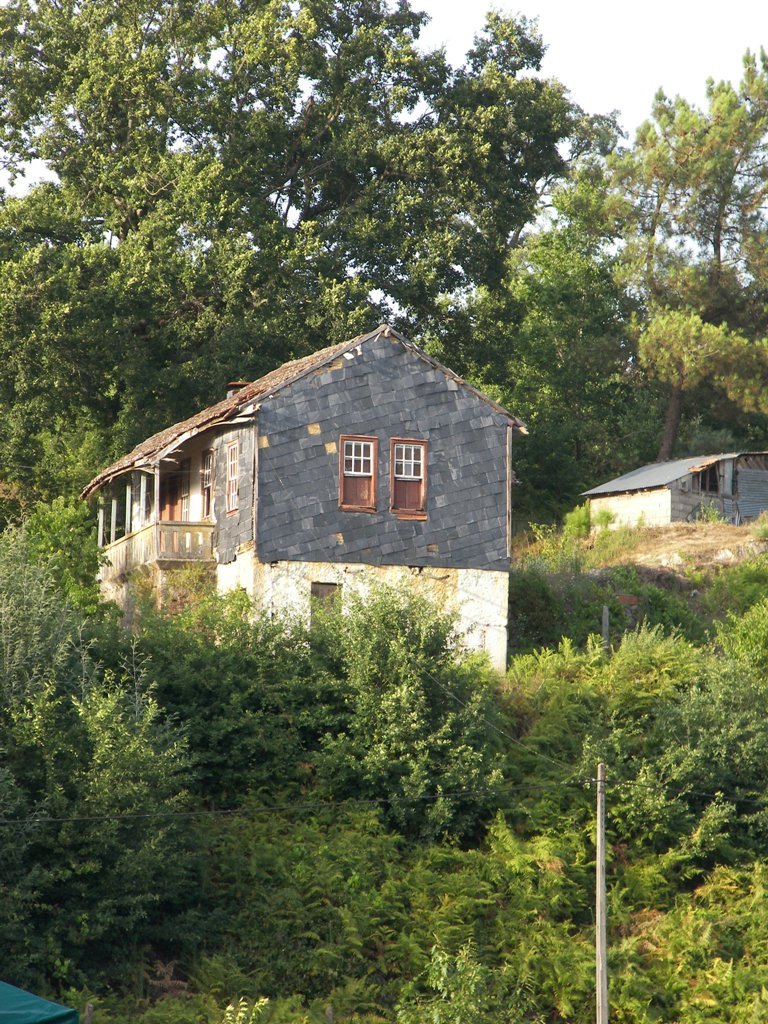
550	340
87	756
245	1011
710	513
760	527
419	720
536	611
578	522
464	992
232	185
736	588
346	768
255	698
61	535
668	605
745	637
680	201
609	546
351	820
603	518
552	551
545	609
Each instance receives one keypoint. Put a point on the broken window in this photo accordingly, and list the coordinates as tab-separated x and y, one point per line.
324	595
706	480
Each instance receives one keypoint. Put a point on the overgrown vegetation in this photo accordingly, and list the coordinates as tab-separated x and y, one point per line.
223	818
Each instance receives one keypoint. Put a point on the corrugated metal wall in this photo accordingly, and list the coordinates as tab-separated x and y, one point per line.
752	487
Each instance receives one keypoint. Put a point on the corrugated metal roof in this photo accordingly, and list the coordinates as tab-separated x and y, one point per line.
164	441
659	474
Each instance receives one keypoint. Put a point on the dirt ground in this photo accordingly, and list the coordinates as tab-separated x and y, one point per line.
695	544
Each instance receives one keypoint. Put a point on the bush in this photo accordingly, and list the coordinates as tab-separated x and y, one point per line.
418	725
62	536
254	696
536	612
88	759
577	523
737	588
745	637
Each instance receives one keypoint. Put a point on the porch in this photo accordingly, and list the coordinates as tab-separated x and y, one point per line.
160	543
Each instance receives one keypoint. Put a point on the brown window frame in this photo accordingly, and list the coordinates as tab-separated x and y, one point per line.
232	508
409	513
185	489
206	483
348	506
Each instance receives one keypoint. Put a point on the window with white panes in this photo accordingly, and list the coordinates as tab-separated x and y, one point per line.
184	489
206	483
233	477
408	478
357	473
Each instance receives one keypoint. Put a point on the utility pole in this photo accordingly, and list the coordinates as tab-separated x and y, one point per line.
601	940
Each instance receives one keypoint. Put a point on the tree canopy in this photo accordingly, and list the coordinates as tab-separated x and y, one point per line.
234	185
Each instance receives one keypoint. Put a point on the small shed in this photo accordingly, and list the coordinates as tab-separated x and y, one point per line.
735	484
20	1007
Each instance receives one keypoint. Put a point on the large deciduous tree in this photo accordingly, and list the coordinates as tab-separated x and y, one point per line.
235	184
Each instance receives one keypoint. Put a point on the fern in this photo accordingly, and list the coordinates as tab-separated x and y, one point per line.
245	1011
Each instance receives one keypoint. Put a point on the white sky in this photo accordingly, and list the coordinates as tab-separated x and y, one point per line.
615	54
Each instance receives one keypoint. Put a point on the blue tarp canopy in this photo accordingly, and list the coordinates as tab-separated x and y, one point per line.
20	1007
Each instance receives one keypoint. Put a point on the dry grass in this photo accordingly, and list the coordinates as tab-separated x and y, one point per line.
677	546
696	545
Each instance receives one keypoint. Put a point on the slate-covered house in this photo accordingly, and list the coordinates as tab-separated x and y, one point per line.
734	483
365	461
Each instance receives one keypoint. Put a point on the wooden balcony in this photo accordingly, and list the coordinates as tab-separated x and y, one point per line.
174	543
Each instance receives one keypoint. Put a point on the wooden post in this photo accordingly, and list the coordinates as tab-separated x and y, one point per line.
509	490
157	509
129	507
113	522
255	495
606	629
100	535
601	935
142	500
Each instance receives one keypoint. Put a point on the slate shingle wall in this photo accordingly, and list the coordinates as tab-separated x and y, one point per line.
384	391
230	531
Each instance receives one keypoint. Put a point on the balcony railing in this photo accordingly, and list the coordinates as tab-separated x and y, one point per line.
186	542
158	542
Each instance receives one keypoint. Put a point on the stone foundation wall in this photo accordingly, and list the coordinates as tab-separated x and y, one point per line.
479	597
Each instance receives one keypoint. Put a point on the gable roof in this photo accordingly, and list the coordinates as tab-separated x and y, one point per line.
660	474
164	441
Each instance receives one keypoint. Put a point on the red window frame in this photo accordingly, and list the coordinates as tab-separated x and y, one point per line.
404	480
352	453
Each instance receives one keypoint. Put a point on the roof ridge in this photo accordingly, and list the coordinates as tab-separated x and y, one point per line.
287	373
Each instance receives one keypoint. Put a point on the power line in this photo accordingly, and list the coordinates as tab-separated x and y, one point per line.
491	725
574	782
306	807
